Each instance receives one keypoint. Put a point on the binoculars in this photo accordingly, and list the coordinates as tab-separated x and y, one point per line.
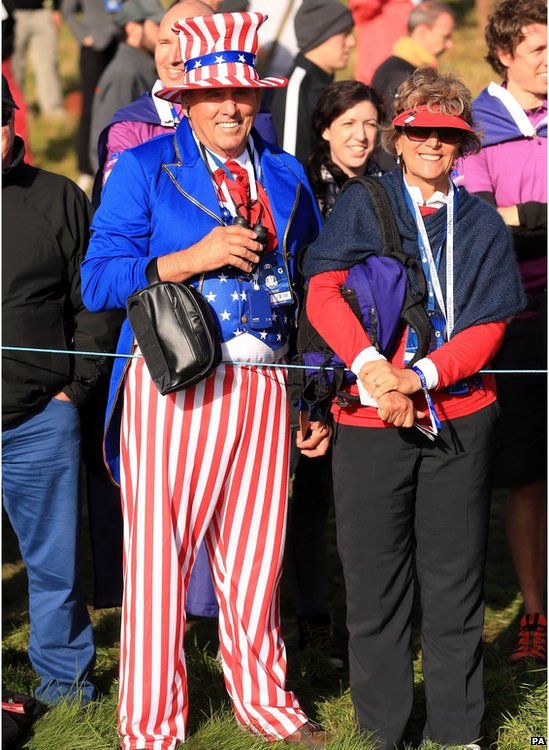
259	229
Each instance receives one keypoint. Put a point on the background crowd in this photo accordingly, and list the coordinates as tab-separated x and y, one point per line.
330	117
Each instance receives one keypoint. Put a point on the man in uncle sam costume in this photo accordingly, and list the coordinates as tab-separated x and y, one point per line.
209	462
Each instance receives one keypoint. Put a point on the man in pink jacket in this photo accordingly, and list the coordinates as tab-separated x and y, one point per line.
148	116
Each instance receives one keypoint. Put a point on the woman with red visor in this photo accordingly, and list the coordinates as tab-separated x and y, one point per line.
412	457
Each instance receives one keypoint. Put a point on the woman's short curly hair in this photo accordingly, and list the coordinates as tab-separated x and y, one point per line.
504	30
443	90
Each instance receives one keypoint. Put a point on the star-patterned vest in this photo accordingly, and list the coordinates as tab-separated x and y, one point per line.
228	290
228	294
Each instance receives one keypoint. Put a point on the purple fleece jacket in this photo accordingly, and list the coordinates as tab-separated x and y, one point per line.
515	172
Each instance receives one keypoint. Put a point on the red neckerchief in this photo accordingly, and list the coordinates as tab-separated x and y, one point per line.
239	189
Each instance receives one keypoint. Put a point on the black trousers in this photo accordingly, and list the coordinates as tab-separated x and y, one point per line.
92	64
104	506
520	455
401	499
312	496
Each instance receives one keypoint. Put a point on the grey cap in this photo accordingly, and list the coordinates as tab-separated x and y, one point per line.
318	20
234	6
139	11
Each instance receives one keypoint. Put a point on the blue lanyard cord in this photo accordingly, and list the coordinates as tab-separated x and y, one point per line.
435	421
431	303
175	114
218	163
236	362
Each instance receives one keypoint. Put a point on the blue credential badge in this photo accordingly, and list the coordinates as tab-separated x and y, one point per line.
272	279
438	336
261	314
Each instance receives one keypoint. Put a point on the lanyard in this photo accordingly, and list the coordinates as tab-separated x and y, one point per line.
249	167
425	248
175	115
431	307
436	425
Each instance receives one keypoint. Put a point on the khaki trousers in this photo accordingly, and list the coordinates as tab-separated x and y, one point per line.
36	33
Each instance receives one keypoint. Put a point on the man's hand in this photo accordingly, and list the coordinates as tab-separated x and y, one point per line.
62	396
88	41
313	438
380	377
397	409
224	246
510	216
57	19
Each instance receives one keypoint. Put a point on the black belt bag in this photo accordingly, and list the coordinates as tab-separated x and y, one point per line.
177	334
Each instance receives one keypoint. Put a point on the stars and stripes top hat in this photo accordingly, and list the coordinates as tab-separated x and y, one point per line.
219	51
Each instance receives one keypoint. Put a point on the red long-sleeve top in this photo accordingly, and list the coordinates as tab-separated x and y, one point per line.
464	355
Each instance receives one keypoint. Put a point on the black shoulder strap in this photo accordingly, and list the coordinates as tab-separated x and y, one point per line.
390	237
413	312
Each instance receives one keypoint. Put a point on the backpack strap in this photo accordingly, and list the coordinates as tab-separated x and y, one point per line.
413	312
390	237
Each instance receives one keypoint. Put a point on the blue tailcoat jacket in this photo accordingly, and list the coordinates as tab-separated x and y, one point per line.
160	199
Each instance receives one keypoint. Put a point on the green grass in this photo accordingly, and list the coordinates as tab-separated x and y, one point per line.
515	697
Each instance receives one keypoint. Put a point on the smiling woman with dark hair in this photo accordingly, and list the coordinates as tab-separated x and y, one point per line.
345	126
412	454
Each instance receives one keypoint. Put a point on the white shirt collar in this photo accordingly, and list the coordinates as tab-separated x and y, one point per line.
164	109
243	159
437	200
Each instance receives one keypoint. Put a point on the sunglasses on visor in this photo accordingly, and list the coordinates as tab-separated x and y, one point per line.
418	134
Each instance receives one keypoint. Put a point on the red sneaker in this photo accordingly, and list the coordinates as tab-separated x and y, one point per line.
532	639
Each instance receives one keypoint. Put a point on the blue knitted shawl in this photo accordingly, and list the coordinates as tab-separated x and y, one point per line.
487	286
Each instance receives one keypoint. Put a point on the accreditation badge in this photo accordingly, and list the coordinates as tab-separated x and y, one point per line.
273	279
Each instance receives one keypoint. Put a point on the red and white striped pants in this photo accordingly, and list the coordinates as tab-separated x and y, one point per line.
209	462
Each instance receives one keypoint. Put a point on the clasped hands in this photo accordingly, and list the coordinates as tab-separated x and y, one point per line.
391	386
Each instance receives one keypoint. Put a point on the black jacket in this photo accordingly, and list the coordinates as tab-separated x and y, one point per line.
292	107
45	232
388	78
327	186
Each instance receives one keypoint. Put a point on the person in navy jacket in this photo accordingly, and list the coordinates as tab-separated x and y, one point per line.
209	462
